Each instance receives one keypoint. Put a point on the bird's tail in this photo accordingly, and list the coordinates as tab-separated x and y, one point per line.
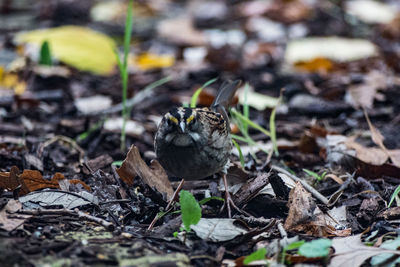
224	97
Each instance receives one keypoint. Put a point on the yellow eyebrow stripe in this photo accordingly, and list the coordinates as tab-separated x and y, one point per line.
188	120
173	119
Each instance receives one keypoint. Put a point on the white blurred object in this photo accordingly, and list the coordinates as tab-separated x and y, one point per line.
194	55
93	104
371	11
334	48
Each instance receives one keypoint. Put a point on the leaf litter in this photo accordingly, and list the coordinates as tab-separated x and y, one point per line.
63	198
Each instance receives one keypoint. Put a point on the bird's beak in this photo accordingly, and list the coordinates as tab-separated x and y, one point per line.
182	126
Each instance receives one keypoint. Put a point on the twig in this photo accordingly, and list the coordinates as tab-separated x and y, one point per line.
252	219
282	230
108	225
169	206
311	189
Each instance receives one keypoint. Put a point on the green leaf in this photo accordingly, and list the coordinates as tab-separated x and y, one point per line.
294	245
205	200
191	211
313	174
256	255
240	152
246	108
117	163
252	124
316	248
175	234
45	54
195	96
395	193
382	258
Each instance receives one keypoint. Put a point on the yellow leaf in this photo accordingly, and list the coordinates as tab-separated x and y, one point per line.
11	81
148	61
318	64
79	47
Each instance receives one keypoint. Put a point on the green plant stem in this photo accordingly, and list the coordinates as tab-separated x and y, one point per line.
124	71
195	96
246	108
251	123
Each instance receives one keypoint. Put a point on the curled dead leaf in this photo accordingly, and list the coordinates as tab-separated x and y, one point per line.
154	176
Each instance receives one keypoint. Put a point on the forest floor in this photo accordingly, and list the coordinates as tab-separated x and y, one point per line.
319	78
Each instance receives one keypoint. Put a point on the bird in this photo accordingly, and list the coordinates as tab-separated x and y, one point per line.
195	143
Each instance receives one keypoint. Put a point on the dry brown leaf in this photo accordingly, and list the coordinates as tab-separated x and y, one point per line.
301	207
305	217
378	138
181	32
371	155
11	181
390	214
32	180
364	94
9	222
154	176
335	178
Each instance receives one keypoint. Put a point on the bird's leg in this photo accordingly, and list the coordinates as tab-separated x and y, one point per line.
228	200
170	203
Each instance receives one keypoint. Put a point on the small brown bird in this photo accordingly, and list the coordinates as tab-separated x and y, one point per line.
194	143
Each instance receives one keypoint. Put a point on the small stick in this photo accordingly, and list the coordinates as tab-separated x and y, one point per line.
108	225
282	230
169	206
311	189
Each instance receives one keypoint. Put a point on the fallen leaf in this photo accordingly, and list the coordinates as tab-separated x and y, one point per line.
332	48
48	199
378	138
154	176
364	94
93	104
181	32
32	180
318	64
372	155
383	258
79	47
9	222
217	230
132	128
149	61
371	11
257	100
304	216
351	252
301	207
9	80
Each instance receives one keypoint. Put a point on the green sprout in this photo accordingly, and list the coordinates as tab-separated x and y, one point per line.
394	195
195	96
123	68
45	54
318	177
